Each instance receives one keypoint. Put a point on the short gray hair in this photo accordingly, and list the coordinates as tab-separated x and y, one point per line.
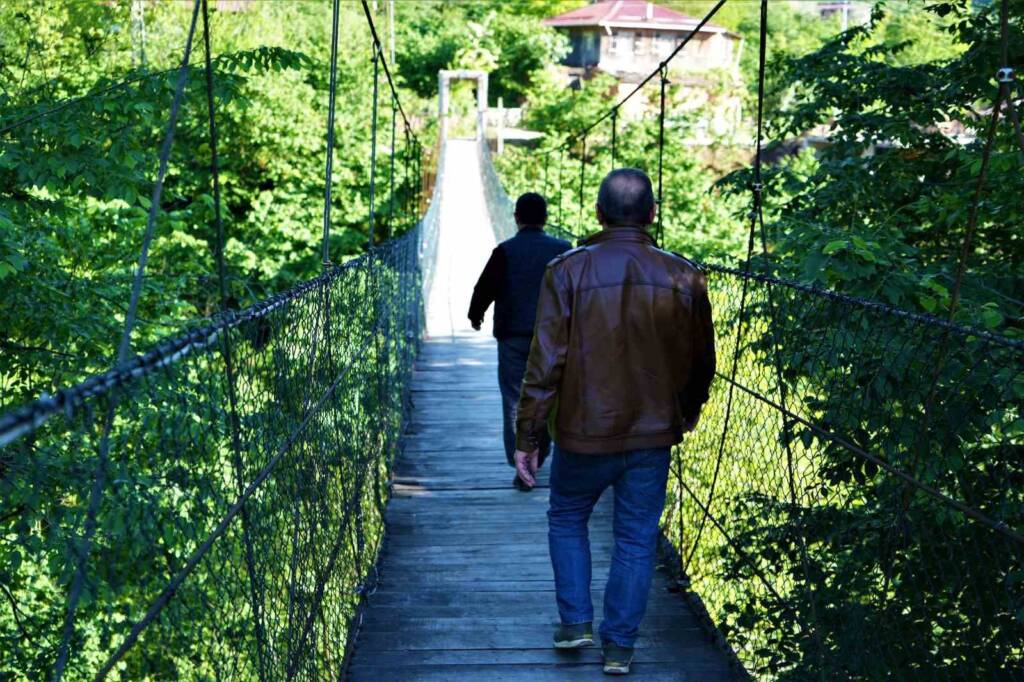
626	197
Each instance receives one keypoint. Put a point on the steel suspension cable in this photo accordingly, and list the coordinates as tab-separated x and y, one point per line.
773	326
661	155
373	149
379	48
234	422
615	125
406	168
391	171
99	475
583	170
325	247
740	331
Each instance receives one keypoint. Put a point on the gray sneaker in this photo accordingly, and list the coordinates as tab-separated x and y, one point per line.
574	636
617	659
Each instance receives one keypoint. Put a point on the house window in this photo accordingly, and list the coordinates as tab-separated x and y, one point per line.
623	43
591	49
642	45
664	43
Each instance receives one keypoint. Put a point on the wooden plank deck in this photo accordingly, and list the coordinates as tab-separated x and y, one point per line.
466	589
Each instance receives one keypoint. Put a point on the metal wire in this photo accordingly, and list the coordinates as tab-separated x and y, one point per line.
325	246
83	548
661	152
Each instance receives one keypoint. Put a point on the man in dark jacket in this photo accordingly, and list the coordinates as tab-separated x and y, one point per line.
623	353
511	280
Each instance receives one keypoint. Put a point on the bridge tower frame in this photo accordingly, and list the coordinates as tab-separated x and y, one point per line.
444	79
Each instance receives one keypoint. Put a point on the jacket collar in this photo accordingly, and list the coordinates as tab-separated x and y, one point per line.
619	234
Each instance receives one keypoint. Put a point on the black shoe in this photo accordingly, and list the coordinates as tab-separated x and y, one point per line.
574	636
617	659
520	485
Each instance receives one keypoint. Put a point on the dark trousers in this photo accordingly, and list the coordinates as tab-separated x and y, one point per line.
512	355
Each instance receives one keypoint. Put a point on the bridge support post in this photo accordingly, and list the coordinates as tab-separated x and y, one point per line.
444	79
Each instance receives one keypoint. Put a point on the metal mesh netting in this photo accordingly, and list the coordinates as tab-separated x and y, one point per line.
232	539
847	507
501	207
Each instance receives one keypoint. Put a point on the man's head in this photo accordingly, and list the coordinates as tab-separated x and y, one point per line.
625	198
531	210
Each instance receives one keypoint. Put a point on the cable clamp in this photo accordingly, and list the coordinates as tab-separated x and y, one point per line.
757	187
1005	75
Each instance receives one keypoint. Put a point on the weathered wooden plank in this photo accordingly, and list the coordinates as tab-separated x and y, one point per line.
508	637
696	656
545	621
397	595
649	672
540	603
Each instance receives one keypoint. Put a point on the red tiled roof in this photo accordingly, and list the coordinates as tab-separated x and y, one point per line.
632	12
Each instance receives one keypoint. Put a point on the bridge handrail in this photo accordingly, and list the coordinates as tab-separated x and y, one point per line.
347	337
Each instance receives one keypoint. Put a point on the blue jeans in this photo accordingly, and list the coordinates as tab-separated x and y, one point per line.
577	481
512	355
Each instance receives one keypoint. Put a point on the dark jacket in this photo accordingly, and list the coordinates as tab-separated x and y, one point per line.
511	280
624	348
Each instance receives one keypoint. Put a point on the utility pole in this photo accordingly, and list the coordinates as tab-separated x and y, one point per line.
501	125
391	23
138	33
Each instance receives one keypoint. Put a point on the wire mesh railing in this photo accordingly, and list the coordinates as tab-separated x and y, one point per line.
227	543
501	207
850	506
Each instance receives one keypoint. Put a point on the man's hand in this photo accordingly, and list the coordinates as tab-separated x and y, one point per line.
527	464
690	423
476	324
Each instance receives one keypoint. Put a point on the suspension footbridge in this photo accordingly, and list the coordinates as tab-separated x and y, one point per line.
313	487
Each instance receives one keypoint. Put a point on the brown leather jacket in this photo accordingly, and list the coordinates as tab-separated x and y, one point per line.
623	351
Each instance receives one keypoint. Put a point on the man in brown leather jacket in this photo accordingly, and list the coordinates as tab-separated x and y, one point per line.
623	356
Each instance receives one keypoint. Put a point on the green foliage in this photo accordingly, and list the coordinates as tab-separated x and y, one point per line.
697	220
75	184
883	210
505	40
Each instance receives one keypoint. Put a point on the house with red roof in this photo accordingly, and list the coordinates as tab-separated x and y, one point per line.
629	38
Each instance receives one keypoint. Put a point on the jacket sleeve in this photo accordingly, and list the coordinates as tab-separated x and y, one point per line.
702	364
488	286
546	361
